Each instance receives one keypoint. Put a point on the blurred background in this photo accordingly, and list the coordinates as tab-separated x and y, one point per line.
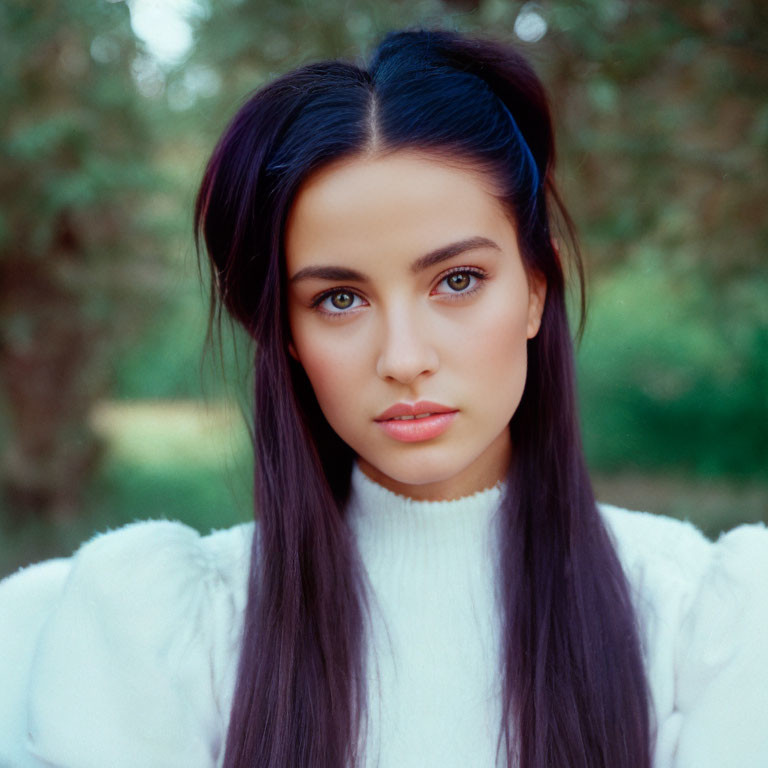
113	409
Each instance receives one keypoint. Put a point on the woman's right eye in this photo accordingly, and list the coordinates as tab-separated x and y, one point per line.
336	302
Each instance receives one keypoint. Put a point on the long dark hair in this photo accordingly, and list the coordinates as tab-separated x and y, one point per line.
575	692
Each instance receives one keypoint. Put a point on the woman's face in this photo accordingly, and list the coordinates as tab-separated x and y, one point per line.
406	286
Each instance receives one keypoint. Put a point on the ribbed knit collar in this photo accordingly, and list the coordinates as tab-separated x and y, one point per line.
388	523
383	500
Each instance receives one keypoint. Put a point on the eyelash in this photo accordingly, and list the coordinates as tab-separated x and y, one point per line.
479	275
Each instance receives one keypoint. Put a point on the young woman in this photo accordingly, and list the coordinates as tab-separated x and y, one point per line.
429	581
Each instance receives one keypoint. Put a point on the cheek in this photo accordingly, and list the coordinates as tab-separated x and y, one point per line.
494	346
504	354
333	370
494	364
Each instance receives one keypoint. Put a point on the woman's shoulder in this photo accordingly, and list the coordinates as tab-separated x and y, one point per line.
123	651
165	556
703	608
664	542
656	548
118	571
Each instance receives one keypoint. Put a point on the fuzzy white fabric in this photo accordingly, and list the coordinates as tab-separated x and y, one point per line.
124	655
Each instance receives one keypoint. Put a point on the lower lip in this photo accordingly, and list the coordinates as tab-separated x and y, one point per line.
416	430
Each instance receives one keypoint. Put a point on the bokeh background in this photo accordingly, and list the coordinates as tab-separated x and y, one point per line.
113	409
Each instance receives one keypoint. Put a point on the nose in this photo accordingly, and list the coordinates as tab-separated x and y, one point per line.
406	351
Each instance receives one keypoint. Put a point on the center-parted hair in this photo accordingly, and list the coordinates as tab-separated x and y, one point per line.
574	689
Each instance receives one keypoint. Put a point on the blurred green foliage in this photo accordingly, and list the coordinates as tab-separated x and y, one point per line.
670	379
77	240
663	161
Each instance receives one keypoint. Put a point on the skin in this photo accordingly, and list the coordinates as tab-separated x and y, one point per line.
404	336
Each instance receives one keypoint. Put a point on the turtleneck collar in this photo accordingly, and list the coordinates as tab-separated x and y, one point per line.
382	499
389	524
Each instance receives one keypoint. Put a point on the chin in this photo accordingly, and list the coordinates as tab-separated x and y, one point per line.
417	471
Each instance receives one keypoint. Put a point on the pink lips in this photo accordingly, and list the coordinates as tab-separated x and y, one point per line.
415	430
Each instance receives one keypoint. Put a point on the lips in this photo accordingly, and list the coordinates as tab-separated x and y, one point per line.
424	421
414	410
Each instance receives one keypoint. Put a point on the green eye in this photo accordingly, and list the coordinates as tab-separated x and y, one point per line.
342	300
335	303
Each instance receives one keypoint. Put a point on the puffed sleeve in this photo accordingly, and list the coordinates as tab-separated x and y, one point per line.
26	600
722	658
121	655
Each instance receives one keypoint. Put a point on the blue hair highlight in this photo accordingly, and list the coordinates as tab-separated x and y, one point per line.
413	95
528	158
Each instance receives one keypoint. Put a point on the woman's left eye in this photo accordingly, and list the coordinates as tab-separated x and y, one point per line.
462	281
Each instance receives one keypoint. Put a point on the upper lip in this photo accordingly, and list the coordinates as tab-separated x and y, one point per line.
413	409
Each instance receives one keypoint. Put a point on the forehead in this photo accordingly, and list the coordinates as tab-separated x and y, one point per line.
402	203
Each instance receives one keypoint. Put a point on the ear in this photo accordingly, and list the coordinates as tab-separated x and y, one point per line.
537	296
292	352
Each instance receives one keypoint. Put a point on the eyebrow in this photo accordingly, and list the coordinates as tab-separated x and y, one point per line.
423	262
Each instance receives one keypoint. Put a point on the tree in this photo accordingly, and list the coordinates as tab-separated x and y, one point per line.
73	172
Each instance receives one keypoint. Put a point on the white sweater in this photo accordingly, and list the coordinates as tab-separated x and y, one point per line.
124	655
